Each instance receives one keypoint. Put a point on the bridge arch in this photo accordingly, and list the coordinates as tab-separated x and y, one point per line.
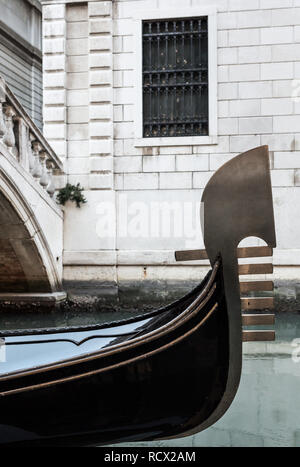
31	223
27	264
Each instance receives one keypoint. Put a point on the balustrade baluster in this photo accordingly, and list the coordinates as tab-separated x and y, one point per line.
37	169
23	136
44	180
51	187
30	153
9	137
25	142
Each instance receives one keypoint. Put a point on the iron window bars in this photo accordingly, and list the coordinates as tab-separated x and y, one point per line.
175	77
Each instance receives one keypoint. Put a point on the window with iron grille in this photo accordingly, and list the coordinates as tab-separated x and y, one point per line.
175	77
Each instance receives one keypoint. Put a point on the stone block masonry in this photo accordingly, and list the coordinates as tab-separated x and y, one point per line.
77	80
91	65
257	66
78	115
54	77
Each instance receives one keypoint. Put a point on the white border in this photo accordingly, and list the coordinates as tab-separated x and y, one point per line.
212	138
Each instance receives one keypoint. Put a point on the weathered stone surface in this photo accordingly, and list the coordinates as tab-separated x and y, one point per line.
258	93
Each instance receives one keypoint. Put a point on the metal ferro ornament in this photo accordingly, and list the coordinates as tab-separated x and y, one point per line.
237	203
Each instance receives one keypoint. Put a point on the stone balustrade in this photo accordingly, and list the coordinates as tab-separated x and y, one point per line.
25	142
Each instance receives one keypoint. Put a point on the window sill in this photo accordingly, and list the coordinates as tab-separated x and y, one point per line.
177	141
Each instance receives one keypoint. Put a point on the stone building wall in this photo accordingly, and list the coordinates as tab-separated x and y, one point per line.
92	111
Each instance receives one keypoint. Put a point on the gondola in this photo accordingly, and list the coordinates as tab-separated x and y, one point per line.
167	373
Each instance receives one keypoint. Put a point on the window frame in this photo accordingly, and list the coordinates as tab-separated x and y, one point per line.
176	13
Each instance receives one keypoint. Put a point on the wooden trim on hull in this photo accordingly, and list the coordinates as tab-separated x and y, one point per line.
126	362
106	325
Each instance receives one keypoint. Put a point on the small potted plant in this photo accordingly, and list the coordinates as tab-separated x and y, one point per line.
71	193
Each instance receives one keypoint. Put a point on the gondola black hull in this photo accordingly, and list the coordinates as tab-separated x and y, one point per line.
166	383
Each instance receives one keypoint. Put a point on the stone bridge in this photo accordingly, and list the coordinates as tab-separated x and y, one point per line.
31	222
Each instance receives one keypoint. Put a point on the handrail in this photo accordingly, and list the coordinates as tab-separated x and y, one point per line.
25	142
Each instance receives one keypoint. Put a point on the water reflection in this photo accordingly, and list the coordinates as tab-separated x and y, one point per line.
266	410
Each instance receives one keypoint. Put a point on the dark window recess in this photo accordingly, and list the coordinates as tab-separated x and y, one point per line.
175	77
